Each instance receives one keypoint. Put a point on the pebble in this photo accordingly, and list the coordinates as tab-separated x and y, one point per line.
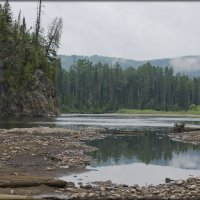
91	195
192	187
82	195
50	168
156	192
64	167
179	189
87	187
172	197
179	182
76	195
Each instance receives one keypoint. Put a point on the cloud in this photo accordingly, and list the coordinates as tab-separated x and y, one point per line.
187	160
186	63
136	30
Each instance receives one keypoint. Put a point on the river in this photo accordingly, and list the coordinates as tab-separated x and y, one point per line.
141	160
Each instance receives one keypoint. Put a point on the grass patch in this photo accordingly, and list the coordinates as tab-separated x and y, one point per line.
158	112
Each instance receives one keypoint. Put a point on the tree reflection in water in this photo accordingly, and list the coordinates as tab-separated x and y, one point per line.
149	149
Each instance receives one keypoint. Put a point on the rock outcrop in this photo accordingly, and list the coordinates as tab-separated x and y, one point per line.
38	99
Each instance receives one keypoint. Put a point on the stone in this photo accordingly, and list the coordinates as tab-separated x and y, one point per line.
139	189
82	195
49	168
70	184
109	182
124	185
192	187
71	189
133	190
172	197
179	182
168	180
64	167
117	195
14	174
91	195
87	187
76	195
156	192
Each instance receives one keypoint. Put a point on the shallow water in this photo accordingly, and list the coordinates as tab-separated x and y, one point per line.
142	160
131	174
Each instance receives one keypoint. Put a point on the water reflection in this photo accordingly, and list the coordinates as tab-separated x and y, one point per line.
188	160
25	122
141	160
136	173
150	149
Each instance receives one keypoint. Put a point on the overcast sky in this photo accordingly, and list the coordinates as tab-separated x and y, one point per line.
136	30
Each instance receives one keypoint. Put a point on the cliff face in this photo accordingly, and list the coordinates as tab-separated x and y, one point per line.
38	99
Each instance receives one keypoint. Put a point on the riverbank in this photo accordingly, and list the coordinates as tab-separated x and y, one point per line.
32	160
180	189
34	155
45	149
157	112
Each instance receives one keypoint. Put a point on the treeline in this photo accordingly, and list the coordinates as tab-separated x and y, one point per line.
101	88
24	50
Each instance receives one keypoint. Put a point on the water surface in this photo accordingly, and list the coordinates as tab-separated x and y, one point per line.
110	121
141	160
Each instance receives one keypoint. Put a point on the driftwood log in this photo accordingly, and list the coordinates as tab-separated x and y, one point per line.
32	183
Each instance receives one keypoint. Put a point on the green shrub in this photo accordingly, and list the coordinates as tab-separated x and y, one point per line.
193	107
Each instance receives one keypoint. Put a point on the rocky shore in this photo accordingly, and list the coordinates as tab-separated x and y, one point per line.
181	189
32	159
45	149
31	156
192	137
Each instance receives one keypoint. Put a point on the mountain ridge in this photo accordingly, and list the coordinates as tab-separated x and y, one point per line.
188	65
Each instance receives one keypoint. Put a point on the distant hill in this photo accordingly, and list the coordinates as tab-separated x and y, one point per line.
188	65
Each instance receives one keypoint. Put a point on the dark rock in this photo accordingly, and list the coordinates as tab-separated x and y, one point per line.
37	99
70	184
124	185
109	182
56	183
168	180
87	187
